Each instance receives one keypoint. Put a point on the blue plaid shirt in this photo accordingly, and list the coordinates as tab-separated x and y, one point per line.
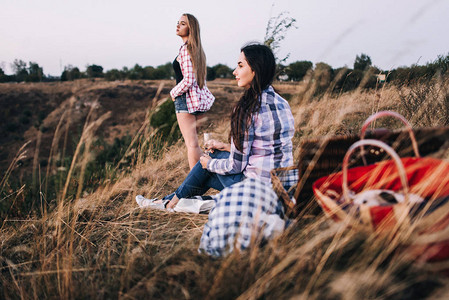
244	212
267	145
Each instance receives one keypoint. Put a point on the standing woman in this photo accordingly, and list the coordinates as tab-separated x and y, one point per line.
191	95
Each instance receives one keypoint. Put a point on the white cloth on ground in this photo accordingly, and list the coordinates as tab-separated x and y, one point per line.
194	205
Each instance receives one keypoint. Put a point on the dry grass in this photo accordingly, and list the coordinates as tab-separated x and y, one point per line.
102	246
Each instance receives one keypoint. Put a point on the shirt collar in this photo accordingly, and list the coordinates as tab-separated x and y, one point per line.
268	95
268	89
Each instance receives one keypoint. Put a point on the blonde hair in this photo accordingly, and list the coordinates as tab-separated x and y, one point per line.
196	51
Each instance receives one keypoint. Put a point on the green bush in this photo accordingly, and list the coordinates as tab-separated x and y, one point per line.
218	71
114	74
211	74
362	62
27	112
94	71
346	80
440	65
164	121
297	70
70	73
25	120
11	127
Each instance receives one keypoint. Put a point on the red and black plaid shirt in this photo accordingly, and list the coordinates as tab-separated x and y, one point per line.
197	99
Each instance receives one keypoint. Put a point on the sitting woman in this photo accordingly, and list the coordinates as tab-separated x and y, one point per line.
262	128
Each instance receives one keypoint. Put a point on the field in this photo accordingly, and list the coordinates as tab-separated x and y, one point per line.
89	240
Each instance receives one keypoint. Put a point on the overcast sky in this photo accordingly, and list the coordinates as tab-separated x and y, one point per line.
114	34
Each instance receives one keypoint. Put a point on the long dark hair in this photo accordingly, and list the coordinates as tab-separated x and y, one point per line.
261	60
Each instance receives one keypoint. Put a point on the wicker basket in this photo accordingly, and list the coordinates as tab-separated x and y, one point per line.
321	156
425	224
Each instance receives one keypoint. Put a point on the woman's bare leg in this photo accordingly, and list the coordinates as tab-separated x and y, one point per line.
187	124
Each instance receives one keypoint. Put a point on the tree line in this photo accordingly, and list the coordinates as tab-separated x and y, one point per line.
363	72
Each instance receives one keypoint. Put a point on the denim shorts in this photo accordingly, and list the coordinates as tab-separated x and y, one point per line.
181	105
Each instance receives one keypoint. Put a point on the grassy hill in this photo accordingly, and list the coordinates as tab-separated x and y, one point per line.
90	240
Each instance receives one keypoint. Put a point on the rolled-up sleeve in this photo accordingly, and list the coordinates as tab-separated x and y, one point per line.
237	161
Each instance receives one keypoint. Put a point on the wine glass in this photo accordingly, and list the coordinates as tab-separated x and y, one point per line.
206	138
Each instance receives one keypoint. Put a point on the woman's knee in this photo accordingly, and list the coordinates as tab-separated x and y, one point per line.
192	145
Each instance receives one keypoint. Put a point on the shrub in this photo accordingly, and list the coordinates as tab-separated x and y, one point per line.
210	74
11	127
70	73
441	64
165	122
94	71
346	80
24	120
297	70
362	62
114	74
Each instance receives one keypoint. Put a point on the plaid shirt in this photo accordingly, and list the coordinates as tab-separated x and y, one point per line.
267	145
245	212
197	99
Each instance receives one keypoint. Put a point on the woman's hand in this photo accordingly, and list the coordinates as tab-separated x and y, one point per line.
170	205
204	160
211	145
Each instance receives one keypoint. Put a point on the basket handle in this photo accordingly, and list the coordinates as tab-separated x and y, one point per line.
389	150
391	114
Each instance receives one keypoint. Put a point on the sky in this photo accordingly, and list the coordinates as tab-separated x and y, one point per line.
117	34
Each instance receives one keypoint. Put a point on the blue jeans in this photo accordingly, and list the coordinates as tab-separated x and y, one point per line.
200	180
